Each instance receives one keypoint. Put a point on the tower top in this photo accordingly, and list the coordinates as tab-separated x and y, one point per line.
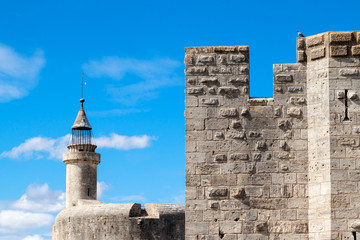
81	121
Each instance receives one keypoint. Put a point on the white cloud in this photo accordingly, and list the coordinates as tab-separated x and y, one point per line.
36	147
40	198
154	74
13	220
123	142
34	237
101	188
39	147
18	74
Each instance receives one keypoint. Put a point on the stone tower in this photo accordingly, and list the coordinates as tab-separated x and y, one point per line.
81	162
286	167
86	218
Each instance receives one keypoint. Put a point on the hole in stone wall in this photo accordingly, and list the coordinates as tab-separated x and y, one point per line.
221	234
354	234
346	118
88	192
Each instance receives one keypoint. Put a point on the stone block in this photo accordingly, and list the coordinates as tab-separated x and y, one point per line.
206	59
295	89
238	193
207	169
284	78
217	193
317	53
196	70
209	101
230	227
294	112
239	80
301	56
209	81
196	228
315	40
237	58
194	124
195	91
230	92
234	134
220	158
337	51
355	50
336	37
349	72
239	157
228	112
300	43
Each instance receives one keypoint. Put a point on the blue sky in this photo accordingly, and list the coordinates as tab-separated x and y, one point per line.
132	55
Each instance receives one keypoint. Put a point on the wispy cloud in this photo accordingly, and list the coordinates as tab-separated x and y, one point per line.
101	188
14	220
40	198
18	73
53	148
36	147
153	74
34	211
34	237
123	142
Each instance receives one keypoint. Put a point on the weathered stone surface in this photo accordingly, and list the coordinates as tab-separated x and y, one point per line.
336	51
209	81
196	70
237	58
239	157
220	158
210	101
239	80
294	111
295	89
292	169
301	56
317	53
218	193
228	112
349	72
355	50
195	91
234	134
315	40
340	37
230	92
283	78
206	59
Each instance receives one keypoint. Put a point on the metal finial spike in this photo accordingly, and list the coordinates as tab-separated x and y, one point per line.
82	102
82	85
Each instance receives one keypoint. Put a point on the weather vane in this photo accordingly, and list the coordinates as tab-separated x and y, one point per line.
82	85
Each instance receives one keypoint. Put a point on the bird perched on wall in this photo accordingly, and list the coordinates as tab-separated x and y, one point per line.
300	34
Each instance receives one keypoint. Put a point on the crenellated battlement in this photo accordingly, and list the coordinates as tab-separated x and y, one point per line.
284	167
329	44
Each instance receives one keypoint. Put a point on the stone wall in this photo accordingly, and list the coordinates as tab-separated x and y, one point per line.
91	219
273	168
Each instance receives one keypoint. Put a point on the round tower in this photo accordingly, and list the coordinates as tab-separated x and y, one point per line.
81	161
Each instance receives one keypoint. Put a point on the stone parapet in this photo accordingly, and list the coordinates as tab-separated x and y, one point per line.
329	44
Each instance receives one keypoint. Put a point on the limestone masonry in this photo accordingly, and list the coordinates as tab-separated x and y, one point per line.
286	167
